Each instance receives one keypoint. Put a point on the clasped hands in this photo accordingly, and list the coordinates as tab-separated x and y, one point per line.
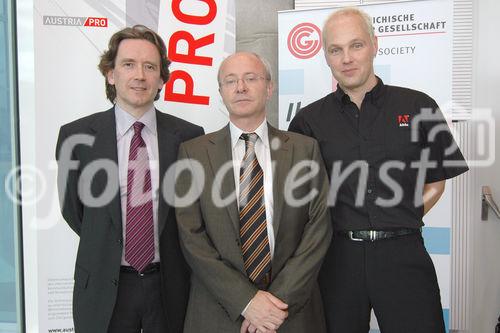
264	314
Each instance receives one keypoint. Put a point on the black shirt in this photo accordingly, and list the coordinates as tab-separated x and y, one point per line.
378	158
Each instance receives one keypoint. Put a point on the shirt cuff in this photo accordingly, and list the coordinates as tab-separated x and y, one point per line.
245	309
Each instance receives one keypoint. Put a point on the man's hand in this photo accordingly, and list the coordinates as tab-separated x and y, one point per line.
265	313
246	327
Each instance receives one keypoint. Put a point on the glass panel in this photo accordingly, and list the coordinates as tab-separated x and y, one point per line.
9	234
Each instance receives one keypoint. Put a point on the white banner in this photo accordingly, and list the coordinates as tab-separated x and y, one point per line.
415	51
197	44
69	38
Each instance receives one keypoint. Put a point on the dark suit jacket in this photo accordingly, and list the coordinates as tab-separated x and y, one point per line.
98	260
210	239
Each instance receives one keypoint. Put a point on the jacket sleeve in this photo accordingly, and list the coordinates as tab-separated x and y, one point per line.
67	183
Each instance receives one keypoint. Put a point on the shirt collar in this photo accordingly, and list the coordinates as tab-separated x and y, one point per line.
376	93
261	131
373	94
340	95
125	120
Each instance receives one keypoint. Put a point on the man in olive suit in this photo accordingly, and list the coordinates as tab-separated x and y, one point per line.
256	235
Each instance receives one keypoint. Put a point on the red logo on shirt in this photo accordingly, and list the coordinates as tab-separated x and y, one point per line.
404	120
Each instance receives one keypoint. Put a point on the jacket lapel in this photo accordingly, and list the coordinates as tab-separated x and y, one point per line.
220	156
105	148
282	157
168	143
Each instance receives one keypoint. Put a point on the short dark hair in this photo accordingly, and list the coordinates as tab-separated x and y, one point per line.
108	58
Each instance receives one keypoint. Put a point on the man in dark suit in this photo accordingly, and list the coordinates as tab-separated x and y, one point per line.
256	236
130	275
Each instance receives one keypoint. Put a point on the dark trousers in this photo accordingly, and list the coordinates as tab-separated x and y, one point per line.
395	277
138	305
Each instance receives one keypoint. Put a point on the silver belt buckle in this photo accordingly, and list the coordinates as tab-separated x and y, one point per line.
351	237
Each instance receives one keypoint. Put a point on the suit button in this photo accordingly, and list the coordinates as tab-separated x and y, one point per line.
114	282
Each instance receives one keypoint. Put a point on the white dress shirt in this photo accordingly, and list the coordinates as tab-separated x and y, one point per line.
263	153
124	134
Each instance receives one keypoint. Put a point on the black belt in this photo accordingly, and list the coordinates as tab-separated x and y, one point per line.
150	269
373	235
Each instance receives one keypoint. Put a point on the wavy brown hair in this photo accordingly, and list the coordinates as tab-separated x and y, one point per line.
108	58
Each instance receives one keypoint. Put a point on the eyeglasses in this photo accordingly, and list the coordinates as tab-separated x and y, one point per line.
249	80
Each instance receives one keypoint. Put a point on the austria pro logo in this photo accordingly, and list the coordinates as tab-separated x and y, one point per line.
75	21
304	40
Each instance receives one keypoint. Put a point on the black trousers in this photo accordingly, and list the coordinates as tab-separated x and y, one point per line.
138	305
395	277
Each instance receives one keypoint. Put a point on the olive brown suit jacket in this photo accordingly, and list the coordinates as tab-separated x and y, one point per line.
209	234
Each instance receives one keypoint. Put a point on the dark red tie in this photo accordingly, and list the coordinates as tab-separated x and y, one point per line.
139	234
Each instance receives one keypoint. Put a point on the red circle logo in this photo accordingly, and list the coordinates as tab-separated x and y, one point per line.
304	41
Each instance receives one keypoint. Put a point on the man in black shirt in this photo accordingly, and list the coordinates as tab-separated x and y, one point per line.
388	151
